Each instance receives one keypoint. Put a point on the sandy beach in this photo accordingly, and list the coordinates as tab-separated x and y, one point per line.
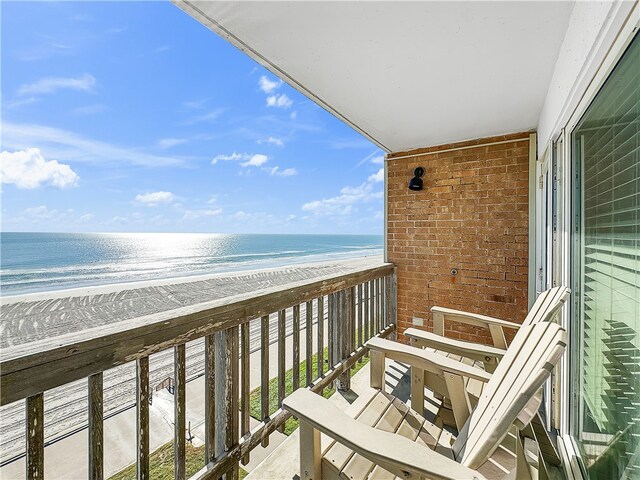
33	317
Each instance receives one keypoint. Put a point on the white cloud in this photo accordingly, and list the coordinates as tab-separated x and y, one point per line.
378	160
51	84
21	102
293	115
58	143
287	172
196	214
165	143
233	157
255	161
273	141
377	177
289	218
87	217
280	101
40	213
153	199
29	169
195	104
207	117
345	203
90	109
267	85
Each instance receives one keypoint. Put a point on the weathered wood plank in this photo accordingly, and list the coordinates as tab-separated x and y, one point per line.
331	336
233	393
372	308
244	395
95	412
387	300
209	399
142	418
309	344
264	371
360	316
320	355
365	304
393	305
35	436
282	316
214	470
179	411
296	347
345	344
378	304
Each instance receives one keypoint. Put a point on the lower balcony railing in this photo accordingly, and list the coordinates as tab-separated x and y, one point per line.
347	309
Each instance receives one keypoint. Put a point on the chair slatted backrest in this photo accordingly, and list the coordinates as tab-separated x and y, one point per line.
547	305
506	398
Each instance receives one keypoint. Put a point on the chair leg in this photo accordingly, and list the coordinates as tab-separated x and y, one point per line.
376	370
310	455
417	390
459	398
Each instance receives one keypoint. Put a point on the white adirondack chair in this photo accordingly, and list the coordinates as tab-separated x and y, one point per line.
484	357
386	439
546	306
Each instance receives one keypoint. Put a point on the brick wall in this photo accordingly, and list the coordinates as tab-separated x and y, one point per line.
472	215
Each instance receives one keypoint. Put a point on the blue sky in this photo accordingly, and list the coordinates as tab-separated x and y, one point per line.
131	116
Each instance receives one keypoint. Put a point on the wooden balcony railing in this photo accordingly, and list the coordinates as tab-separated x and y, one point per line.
354	306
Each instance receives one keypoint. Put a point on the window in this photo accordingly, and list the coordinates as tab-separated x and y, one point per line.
605	356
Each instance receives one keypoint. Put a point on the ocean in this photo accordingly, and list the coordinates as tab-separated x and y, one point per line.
35	262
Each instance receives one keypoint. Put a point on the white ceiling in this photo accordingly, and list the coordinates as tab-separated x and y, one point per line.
405	74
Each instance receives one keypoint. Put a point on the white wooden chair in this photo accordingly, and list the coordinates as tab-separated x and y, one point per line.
545	308
385	439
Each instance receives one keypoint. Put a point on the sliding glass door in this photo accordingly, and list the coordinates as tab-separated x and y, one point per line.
605	356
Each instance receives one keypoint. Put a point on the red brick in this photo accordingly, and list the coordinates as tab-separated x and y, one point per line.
473	216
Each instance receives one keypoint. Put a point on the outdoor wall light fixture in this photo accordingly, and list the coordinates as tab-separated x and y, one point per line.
416	182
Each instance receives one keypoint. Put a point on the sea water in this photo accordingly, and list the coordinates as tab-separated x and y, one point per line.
32	262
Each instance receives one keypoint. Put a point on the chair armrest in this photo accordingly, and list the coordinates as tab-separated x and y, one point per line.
395	453
425	359
475	351
473	318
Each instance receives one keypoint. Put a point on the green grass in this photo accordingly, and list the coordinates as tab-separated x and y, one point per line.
291	424
161	464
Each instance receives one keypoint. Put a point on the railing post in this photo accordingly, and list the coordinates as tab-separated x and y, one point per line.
393	302
226	394
296	347
345	327
320	336
96	435
210	398
334	332
35	436
264	373
142	417
179	412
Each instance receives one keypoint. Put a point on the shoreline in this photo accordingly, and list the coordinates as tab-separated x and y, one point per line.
99	287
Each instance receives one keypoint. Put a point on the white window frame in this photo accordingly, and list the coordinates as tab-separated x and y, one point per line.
561	244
